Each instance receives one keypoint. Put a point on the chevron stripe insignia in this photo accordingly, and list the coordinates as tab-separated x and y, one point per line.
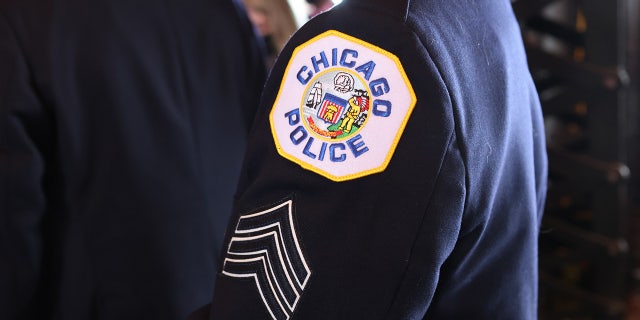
265	247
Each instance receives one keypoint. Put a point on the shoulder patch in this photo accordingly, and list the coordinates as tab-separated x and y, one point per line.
342	107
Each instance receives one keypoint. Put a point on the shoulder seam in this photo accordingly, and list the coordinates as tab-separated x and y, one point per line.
456	125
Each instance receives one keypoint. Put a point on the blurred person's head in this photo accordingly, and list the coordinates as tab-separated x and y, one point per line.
273	19
260	19
319	6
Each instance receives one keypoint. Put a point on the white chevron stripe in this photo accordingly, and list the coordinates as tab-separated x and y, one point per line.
289	205
266	253
273	234
255	278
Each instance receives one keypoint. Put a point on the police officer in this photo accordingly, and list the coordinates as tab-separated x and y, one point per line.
429	208
122	129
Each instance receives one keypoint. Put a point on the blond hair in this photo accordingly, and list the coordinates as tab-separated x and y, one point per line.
280	19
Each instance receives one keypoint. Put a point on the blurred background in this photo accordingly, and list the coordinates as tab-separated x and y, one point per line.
585	58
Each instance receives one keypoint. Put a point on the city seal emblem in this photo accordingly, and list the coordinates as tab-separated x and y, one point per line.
342	107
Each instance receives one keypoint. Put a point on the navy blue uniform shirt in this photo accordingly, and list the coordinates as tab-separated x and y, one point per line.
122	129
397	170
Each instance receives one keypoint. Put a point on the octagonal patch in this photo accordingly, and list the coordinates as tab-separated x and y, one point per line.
342	107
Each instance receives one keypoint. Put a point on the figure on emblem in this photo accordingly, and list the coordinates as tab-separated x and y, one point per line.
315	95
358	104
351	115
330	114
332	108
343	82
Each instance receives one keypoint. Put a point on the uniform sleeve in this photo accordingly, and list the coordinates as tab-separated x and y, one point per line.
22	200
352	192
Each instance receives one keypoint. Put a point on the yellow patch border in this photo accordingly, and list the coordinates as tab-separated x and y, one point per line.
400	130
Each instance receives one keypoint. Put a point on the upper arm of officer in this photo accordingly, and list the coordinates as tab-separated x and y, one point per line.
344	216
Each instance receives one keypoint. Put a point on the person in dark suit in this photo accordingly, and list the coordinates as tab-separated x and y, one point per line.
426	205
122	131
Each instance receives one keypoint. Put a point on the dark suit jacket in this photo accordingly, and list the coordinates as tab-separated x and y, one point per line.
122	129
420	207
